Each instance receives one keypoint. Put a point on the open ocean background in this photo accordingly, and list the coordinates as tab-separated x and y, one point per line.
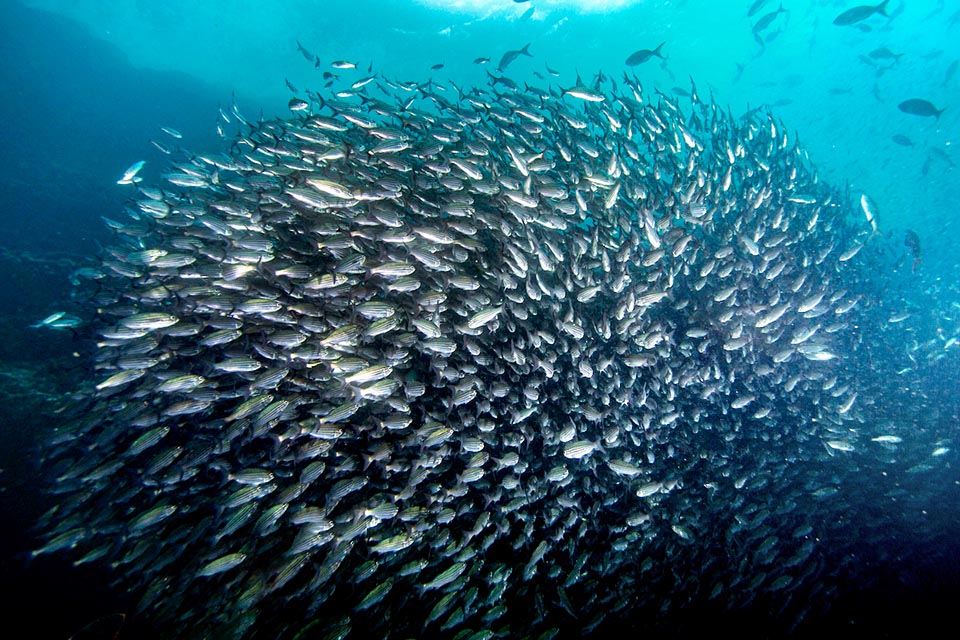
88	84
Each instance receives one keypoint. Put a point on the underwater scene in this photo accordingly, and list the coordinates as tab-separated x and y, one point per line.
479	319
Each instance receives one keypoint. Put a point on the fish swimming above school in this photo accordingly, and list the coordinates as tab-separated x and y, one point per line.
641	56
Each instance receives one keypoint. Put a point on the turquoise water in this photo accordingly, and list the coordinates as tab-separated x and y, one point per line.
91	83
842	107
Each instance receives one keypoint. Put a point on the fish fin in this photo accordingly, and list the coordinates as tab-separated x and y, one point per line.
525	51
882	8
656	51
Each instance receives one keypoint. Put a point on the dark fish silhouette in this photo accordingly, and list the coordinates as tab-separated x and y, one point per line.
902	140
912	242
857	14
920	107
510	56
641	56
882	53
303	50
766	19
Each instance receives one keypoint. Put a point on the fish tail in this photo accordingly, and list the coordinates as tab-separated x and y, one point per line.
882	8
656	51
525	51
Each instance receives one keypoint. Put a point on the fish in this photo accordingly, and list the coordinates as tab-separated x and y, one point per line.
584	93
766	20
222	564
782	102
298	104
417	361
859	13
437	66
902	140
840	445
60	320
641	56
343	64
912	241
512	55
883	53
303	51
173	133
162	148
481	60
920	107
130	175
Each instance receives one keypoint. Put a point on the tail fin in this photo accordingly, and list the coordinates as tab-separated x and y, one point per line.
656	51
525	51
882	8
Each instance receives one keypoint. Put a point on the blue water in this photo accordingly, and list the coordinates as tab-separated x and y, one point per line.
87	86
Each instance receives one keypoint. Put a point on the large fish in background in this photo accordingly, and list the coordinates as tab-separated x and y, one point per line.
413	363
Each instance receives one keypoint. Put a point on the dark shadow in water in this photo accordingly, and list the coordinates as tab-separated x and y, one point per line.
73	115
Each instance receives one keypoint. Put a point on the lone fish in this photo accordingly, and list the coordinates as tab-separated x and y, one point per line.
858	14
641	56
510	56
920	107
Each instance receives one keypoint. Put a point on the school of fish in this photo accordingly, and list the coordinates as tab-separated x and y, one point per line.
423	360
